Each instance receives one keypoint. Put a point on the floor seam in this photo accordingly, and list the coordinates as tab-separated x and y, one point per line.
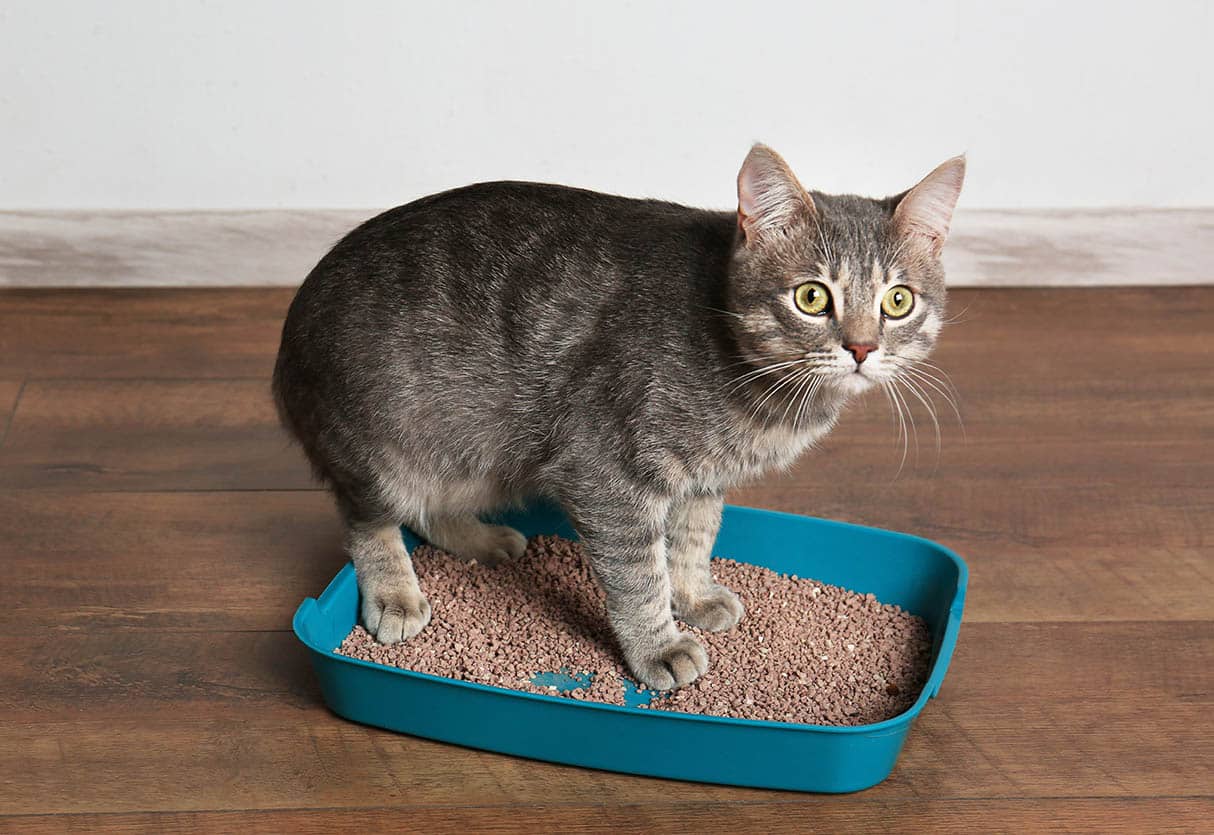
12	415
809	799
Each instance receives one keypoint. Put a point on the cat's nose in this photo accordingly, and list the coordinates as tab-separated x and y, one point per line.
860	351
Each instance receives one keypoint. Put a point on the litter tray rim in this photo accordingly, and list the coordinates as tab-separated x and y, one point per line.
895	723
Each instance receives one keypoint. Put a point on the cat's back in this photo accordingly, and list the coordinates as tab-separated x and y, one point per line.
483	253
477	284
497	226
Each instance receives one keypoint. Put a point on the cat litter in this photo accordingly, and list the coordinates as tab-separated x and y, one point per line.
805	652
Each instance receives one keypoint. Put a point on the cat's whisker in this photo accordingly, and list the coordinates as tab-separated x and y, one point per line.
758	372
910	415
919	394
935	383
939	374
756	358
754	374
799	400
790	368
755	407
936	374
807	379
810	371
957	317
809	385
902	433
724	312
933	374
805	401
923	364
895	418
754	412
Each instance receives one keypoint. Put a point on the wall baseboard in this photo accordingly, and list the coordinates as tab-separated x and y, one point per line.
988	248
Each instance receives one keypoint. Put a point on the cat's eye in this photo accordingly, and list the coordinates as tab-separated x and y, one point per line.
898	301
813	298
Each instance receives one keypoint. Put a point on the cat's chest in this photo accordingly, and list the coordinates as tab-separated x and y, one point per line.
744	453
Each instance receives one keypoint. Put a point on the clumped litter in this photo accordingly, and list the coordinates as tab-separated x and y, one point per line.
804	652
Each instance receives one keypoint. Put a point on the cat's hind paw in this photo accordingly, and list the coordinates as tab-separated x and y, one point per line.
496	543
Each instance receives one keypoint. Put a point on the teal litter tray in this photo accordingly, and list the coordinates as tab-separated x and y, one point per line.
920	576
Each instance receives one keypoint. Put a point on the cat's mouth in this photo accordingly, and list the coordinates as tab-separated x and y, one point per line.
855	381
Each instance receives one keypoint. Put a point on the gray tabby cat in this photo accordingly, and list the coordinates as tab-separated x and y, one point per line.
630	359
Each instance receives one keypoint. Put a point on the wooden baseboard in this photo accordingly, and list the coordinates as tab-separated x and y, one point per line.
989	248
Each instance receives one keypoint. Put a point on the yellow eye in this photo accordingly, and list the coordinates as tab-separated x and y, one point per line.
898	301
813	298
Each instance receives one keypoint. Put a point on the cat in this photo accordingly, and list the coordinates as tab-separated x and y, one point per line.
629	359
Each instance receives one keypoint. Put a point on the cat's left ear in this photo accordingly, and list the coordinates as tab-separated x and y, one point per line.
924	213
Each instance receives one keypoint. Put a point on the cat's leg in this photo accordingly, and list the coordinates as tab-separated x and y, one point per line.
467	537
698	599
393	606
625	540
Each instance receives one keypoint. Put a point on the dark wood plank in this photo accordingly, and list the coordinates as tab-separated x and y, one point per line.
10	390
275	757
1099	816
199	721
163	561
149	434
200	333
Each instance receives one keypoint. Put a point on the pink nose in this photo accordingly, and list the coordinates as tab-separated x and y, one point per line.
860	351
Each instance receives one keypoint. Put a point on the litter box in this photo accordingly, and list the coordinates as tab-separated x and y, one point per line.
922	577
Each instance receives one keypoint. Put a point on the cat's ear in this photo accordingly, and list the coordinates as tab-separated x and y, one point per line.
924	213
770	200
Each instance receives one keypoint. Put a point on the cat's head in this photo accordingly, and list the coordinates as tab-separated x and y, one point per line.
847	290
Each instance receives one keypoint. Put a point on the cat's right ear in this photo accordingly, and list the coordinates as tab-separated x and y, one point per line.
770	199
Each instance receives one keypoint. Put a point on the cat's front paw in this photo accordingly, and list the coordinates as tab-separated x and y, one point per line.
716	610
394	613
676	664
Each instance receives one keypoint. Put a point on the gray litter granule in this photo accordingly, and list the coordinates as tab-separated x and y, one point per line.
804	652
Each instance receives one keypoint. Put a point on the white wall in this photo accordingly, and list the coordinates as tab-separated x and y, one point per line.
362	104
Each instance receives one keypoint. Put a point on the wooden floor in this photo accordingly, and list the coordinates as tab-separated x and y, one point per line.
157	532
